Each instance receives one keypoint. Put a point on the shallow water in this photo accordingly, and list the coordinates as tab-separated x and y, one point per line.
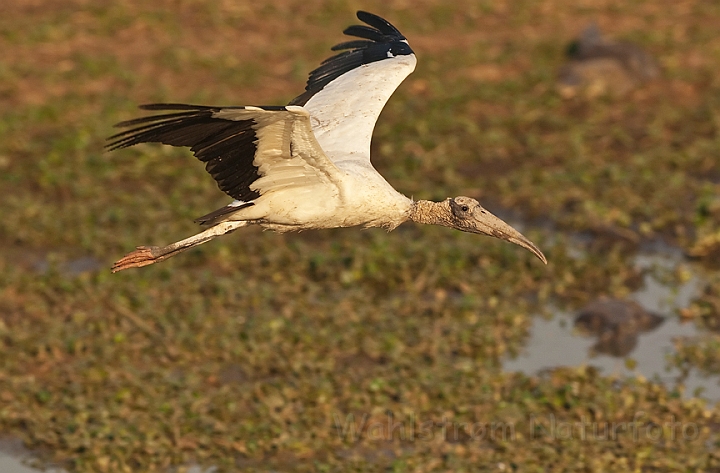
11	464
555	342
12	457
552	343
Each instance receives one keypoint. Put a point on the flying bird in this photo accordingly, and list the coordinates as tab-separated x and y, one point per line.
306	165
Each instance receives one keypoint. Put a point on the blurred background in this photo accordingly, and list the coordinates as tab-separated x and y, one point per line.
593	126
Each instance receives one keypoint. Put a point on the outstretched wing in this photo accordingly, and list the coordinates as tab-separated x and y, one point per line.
346	94
249	151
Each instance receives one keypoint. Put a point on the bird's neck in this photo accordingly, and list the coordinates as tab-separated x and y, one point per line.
431	213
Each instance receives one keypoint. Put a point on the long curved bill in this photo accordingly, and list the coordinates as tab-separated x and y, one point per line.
488	224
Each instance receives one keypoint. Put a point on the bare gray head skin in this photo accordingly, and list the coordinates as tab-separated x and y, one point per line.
467	215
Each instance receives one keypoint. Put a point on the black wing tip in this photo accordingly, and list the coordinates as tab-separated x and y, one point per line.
379	31
205	108
379	41
379	23
183	111
172	106
355	44
227	146
364	16
125	139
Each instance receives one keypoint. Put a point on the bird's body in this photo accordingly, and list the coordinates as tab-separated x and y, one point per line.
358	197
306	165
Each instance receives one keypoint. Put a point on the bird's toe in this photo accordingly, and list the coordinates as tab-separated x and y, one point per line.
142	256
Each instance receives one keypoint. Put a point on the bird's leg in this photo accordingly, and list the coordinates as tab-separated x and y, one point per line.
145	255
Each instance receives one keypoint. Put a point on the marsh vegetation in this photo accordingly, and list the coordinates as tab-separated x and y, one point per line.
245	352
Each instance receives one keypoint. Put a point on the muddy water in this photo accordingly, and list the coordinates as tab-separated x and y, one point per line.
552	343
556	342
13	458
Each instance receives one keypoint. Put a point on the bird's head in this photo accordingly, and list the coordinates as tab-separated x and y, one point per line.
468	215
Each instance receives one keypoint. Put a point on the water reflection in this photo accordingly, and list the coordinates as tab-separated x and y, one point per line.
10	464
642	327
616	324
72	267
15	458
43	261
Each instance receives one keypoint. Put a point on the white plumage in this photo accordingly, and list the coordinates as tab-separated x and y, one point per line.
344	115
307	165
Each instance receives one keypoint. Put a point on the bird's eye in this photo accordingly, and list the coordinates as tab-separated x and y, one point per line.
464	208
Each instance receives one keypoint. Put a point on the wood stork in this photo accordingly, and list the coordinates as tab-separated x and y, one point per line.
306	165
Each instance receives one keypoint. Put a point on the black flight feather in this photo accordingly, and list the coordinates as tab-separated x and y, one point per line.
227	147
382	41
